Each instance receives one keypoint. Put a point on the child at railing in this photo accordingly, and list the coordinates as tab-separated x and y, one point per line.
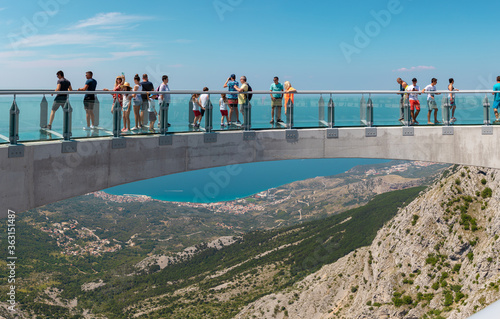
152	112
127	101
196	110
223	110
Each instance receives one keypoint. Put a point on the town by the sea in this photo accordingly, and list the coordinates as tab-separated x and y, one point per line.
236	181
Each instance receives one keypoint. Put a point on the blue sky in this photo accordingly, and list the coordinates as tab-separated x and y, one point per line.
315	45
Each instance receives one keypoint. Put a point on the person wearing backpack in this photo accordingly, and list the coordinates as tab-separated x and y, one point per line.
243	100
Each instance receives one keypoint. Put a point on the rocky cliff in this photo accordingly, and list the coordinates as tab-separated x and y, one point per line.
438	258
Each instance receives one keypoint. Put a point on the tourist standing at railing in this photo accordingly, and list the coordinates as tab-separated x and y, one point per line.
196	110
223	110
431	101
137	102
496	101
204	100
276	100
453	103
89	99
127	101
60	100
152	113
289	101
402	88
289	97
146	86
232	99
242	98
116	96
414	102
164	98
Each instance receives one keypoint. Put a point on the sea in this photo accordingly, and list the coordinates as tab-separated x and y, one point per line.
236	181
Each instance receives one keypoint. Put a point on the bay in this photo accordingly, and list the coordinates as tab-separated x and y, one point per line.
236	181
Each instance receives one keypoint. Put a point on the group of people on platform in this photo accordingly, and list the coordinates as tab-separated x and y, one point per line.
144	105
431	101
238	97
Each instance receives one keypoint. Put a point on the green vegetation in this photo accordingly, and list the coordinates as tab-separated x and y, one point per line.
314	244
486	193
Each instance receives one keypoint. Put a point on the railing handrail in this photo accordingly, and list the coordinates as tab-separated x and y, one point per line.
180	92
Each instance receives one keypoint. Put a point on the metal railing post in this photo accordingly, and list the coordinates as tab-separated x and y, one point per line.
117	116
190	111
67	111
369	112
331	112
44	107
321	110
208	117
362	110
406	111
289	114
445	104
486	111
14	123
97	106
247	116
164	117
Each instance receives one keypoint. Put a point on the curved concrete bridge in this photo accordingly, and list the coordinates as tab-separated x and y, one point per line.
52	171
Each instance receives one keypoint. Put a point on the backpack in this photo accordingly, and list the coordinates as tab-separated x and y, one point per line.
249	95
156	96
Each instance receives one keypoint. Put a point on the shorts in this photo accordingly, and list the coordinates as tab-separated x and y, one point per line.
232	102
432	105
452	104
137	103
202	112
196	113
414	104
88	104
223	112
57	104
496	104
126	105
277	102
152	116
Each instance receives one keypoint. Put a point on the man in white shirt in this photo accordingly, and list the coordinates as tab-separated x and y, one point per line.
431	102
414	102
163	98
204	101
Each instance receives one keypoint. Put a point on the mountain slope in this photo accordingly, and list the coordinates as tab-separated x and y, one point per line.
438	258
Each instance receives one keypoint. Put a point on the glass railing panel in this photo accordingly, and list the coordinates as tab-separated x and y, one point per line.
102	116
469	109
31	126
347	109
5	104
306	111
386	110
